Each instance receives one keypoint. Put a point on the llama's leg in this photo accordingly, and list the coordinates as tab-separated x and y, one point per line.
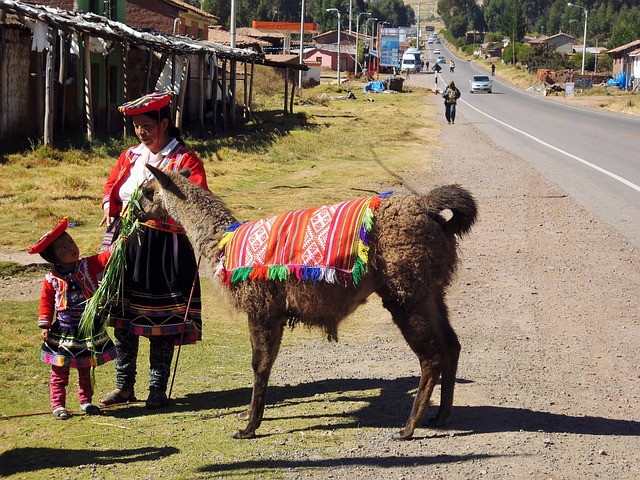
450	355
266	336
420	325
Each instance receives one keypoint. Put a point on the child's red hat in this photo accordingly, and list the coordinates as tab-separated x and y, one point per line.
50	237
147	103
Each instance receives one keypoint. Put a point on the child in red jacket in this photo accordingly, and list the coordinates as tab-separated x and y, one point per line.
68	285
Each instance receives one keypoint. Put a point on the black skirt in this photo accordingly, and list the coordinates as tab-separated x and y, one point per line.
161	275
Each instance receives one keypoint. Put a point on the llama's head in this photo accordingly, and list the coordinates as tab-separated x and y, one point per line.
153	200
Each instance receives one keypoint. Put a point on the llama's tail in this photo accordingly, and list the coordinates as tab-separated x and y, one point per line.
461	204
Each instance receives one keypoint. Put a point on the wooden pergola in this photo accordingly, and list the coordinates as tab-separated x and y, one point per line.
62	24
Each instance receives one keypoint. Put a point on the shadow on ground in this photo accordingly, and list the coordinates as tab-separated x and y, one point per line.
23	460
391	408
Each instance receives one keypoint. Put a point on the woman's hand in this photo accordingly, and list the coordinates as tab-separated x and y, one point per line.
44	334
105	217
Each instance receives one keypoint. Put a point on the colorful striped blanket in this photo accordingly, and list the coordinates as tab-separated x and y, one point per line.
329	243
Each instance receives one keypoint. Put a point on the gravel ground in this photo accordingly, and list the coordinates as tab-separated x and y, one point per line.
546	307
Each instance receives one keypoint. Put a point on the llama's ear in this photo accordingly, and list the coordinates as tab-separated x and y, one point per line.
162	177
185	172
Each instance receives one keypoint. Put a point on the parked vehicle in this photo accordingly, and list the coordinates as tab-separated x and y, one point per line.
411	61
480	83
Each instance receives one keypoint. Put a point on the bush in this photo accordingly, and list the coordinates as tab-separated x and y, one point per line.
544	56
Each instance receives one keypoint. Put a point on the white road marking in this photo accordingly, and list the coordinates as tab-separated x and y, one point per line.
559	150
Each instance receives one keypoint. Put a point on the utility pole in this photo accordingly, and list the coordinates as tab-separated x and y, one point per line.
338	12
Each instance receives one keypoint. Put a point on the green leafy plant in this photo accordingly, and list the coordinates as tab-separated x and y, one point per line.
111	288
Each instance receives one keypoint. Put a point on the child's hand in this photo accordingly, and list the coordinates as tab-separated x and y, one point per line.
44	334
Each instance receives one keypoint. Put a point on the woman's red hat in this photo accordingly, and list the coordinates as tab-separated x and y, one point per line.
147	103
50	237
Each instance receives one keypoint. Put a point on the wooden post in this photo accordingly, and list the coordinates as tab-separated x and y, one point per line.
182	94
107	84
293	89
62	79
202	62
48	89
147	72
88	100
253	64
214	95
233	100
39	100
225	119
125	86
286	89
244	93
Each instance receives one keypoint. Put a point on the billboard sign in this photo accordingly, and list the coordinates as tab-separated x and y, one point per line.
389	50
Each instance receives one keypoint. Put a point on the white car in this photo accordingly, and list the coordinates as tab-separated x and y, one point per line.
481	83
436	51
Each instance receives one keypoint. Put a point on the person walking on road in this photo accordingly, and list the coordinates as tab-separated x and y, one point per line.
493	69
451	95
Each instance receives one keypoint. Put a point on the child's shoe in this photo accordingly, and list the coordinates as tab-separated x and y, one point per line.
61	413
90	409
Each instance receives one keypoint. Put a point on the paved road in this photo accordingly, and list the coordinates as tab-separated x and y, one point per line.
592	155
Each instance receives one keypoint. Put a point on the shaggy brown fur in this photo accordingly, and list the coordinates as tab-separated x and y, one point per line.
412	259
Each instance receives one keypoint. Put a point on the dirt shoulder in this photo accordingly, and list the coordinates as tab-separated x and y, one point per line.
546	308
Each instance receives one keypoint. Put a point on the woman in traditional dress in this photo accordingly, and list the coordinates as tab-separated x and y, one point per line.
161	272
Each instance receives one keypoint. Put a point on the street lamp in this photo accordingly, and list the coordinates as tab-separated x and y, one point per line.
355	71
338	12
419	34
366	33
584	40
350	16
379	49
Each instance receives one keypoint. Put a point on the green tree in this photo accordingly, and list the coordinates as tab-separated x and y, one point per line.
512	23
460	16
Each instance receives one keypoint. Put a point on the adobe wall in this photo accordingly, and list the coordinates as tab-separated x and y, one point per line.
16	101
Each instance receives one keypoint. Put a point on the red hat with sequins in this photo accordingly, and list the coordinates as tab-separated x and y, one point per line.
147	103
49	237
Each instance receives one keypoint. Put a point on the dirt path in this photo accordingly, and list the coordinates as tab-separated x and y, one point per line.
546	308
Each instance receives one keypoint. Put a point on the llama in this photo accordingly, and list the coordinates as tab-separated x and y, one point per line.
412	257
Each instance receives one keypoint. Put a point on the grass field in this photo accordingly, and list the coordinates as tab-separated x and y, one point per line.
329	150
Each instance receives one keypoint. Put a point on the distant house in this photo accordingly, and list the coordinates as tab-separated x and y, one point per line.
491	50
562	42
623	61
325	50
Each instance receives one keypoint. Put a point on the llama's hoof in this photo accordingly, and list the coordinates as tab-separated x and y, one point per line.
244	415
243	434
402	436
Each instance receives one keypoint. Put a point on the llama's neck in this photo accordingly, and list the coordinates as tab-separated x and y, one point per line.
204	216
